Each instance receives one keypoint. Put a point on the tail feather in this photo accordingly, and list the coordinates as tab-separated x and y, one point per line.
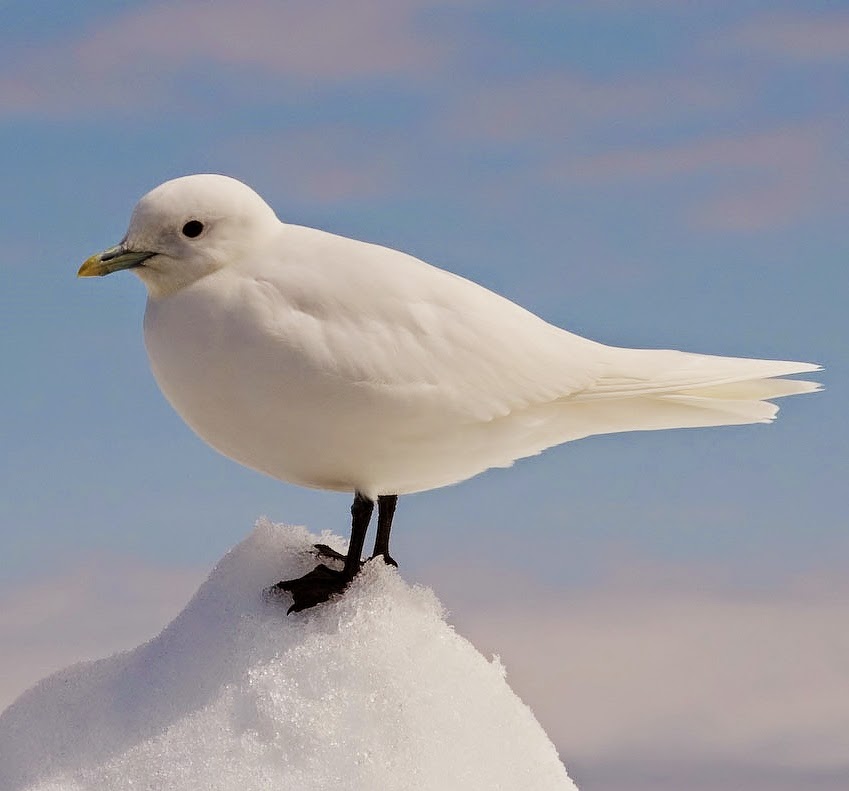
645	390
642	391
754	389
630	373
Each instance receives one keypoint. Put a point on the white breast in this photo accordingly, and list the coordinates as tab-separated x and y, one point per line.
268	399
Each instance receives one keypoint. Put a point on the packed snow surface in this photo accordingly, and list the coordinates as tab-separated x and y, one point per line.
370	692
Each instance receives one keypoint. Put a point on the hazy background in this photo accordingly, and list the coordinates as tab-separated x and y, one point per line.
663	174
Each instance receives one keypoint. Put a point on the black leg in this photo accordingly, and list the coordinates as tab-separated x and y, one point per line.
385	511
361	511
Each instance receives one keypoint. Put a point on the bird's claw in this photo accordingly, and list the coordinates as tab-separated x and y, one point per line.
326	551
313	588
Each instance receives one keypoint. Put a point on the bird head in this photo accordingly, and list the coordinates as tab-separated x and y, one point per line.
186	229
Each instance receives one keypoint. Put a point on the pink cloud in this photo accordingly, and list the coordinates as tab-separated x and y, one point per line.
133	61
651	672
552	106
772	177
756	208
86	612
811	37
324	165
793	148
321	39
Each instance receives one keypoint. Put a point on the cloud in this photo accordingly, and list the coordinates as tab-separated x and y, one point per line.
675	674
135	60
758	180
85	612
767	151
553	106
813	37
323	39
324	164
759	207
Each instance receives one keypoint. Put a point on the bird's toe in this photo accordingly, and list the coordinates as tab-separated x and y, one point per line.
326	551
313	588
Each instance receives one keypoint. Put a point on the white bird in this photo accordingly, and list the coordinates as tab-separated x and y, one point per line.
337	364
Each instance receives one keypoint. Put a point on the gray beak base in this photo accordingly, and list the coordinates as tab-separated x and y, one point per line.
112	260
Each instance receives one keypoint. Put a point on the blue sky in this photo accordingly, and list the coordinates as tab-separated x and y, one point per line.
659	174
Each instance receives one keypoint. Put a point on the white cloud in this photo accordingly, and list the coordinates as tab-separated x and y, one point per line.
138	59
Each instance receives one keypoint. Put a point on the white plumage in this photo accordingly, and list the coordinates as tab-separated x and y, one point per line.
336	364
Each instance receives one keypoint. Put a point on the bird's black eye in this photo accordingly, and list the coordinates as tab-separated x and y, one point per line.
192	228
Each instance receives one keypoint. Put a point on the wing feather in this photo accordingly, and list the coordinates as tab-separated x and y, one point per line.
438	343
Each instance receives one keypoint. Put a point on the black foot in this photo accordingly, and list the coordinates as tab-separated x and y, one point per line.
313	588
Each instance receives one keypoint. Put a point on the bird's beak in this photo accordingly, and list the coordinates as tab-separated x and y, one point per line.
112	260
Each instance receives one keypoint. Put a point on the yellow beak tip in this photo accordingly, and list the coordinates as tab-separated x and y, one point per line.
91	267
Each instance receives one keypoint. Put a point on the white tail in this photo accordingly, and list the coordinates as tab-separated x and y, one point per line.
645	389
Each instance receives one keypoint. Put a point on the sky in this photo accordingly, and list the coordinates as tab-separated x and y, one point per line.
654	174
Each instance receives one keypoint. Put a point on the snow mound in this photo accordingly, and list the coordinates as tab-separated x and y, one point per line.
372	691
